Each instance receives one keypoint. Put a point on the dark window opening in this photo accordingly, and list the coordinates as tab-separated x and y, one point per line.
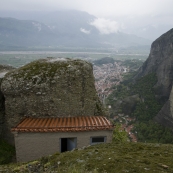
96	140
63	144
101	139
68	144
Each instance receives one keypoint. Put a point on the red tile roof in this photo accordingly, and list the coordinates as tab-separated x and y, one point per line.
63	124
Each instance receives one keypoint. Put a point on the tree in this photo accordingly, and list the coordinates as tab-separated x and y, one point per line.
119	134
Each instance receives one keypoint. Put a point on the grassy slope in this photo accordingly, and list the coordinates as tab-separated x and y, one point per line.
110	158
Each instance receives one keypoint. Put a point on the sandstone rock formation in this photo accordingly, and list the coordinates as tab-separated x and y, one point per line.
2	109
50	87
3	70
160	61
165	115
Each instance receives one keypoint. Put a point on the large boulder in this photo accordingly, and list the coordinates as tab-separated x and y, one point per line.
50	87
2	111
3	70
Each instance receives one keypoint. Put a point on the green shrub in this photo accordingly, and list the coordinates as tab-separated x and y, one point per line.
6	152
119	135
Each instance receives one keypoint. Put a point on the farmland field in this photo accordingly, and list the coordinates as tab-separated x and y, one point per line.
20	58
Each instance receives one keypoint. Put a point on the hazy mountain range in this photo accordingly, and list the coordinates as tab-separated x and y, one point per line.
63	29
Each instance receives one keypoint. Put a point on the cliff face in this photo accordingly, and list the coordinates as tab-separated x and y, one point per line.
165	115
160	61
50	87
2	108
3	70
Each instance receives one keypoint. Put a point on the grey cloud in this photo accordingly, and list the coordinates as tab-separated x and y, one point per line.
96	7
111	14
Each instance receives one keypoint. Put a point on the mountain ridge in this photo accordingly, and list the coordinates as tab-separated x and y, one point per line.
62	29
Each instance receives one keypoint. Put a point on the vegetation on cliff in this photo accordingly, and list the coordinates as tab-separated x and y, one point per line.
48	68
144	111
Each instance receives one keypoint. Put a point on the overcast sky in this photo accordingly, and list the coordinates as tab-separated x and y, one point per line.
130	16
99	8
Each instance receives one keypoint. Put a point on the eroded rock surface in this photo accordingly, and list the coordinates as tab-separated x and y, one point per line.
160	61
50	87
165	115
3	70
2	108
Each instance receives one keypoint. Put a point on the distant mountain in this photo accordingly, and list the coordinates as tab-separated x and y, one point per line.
24	33
62	29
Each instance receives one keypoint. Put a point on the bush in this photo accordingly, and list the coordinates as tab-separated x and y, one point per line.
7	152
119	135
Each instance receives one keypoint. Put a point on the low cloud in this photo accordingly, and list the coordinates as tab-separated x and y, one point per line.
84	31
106	26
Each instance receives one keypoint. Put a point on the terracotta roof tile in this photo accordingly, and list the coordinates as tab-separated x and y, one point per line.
63	124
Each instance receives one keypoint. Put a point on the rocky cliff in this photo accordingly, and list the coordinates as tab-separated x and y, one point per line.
3	70
2	109
50	87
160	62
165	115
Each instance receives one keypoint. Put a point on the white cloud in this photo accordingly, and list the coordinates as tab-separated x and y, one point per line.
84	31
105	26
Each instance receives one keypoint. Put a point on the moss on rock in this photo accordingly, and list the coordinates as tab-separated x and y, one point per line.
51	87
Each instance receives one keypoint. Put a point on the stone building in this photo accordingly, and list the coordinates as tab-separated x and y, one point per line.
37	137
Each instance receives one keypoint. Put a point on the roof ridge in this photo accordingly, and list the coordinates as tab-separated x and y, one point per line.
78	123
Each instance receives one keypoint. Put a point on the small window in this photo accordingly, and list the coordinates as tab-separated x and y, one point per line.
97	140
